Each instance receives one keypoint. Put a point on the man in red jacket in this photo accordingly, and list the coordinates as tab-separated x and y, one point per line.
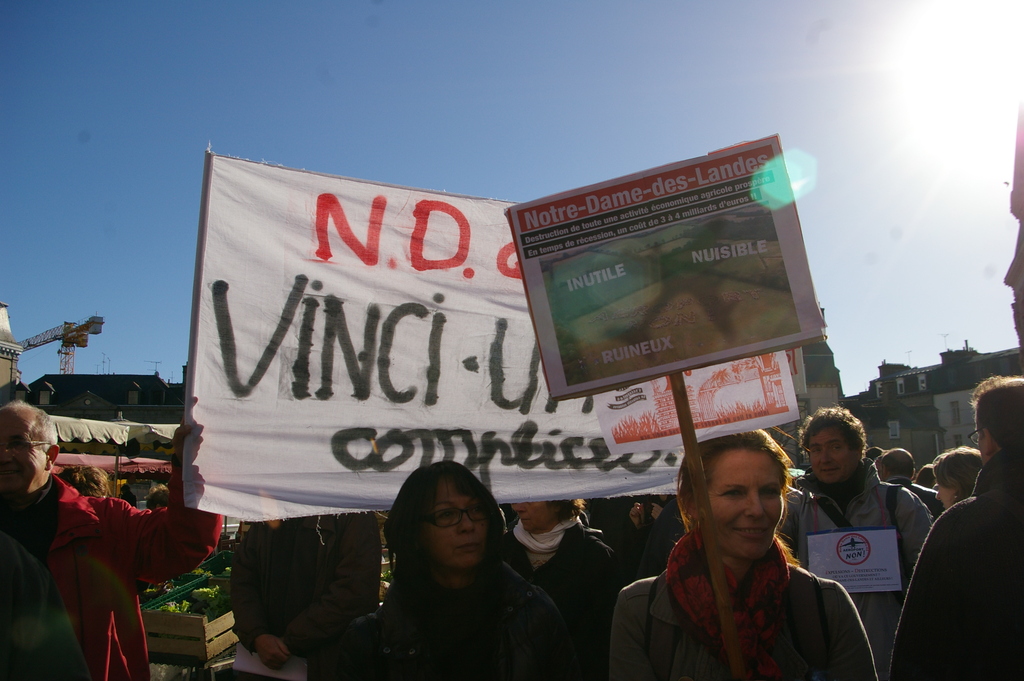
95	547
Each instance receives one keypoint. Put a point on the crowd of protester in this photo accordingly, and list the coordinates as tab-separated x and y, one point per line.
618	591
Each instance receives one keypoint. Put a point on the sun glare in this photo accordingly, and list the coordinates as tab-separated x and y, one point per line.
960	67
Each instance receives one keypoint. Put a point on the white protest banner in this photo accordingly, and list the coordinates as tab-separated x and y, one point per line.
346	332
860	558
756	392
683	266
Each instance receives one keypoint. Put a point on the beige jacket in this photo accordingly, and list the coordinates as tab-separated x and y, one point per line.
849	653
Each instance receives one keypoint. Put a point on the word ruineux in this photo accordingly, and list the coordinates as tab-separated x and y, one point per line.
323	315
636	350
624	195
596	277
731	251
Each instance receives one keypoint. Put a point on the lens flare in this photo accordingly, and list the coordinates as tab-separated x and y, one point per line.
802	169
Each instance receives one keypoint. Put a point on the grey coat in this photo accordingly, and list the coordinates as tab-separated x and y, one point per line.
849	653
879	611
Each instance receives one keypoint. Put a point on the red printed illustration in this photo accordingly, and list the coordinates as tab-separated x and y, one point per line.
745	389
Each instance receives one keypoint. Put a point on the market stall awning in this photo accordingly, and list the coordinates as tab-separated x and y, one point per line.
137	465
86	436
86	430
151	433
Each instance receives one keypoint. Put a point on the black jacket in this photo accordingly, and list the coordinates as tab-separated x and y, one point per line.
533	643
582	579
964	613
665	532
304	582
928	496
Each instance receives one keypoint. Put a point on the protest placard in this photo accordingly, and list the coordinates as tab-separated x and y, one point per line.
346	332
679	267
862	559
755	392
682	266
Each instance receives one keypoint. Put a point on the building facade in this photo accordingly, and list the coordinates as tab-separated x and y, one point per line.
927	410
10	350
145	398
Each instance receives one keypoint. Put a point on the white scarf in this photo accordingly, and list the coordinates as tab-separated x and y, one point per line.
544	542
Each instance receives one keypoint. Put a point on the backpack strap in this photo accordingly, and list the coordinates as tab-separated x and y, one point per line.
891	500
810	634
832	511
660	637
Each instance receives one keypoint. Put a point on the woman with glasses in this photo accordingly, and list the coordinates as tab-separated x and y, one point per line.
454	609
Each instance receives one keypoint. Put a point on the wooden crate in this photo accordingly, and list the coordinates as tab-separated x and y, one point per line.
199	638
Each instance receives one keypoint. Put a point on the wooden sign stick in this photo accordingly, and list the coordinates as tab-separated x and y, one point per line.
723	600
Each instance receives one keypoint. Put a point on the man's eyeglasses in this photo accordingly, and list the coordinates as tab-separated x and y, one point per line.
975	436
21	446
453	516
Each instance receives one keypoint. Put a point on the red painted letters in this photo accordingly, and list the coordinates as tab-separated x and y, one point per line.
422	214
329	208
511	271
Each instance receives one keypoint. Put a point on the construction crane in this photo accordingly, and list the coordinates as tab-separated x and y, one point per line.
71	335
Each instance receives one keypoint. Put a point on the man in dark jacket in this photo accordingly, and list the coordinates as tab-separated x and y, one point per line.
36	639
896	467
964	613
297	584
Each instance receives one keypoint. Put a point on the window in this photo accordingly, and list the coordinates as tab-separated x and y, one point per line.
878	390
133	397
44	397
894	430
922	382
958	440
954	412
900	388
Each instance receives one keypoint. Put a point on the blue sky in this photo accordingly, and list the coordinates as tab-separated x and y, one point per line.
899	117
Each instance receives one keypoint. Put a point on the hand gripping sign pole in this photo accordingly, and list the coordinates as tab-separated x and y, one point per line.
723	600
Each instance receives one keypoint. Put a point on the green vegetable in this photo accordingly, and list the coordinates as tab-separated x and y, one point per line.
173	606
211	601
155	591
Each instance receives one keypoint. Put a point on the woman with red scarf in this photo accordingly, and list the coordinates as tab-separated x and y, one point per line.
791	624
